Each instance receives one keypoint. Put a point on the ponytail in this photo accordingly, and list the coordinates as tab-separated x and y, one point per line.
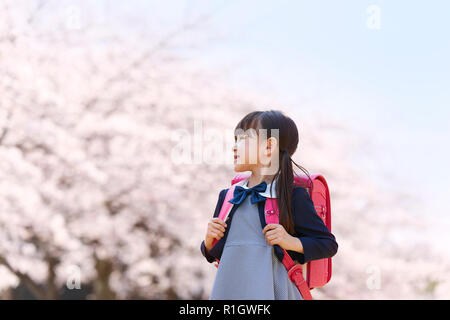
285	188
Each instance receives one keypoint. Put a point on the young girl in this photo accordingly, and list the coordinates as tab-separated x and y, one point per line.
249	266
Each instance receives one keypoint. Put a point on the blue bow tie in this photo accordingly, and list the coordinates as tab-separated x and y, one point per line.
240	193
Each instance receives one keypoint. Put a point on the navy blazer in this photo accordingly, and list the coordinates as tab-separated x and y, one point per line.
318	242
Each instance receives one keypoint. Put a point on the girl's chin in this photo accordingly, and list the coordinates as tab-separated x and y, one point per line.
241	167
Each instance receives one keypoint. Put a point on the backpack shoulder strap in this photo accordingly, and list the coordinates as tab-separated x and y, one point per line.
226	206
239	180
295	271
271	212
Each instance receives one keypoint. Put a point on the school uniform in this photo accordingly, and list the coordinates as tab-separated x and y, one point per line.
249	267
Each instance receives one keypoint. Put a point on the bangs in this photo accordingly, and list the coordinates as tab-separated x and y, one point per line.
250	121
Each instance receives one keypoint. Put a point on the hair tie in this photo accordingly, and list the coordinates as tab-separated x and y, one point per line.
285	151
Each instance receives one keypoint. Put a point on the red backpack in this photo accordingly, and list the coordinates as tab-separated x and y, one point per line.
318	272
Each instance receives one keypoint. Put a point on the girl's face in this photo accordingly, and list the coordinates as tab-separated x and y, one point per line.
249	152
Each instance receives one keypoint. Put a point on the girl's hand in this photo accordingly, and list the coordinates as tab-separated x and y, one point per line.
276	234
216	229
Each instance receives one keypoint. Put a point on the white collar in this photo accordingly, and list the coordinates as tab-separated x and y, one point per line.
267	192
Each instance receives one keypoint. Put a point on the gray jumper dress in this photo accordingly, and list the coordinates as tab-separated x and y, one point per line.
248	268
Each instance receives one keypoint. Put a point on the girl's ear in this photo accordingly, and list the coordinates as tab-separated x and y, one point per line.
271	146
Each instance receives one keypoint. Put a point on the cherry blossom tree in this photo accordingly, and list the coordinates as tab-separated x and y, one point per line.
93	193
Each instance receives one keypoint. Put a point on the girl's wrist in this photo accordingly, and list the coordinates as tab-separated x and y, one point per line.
208	245
294	244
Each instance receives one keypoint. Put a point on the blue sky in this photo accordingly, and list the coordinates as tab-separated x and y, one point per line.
392	83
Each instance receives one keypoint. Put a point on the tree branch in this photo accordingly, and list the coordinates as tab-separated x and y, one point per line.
34	288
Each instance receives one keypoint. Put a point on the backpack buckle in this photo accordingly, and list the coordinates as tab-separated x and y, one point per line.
296	274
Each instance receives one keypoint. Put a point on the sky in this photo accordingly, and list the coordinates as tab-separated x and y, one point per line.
391	82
